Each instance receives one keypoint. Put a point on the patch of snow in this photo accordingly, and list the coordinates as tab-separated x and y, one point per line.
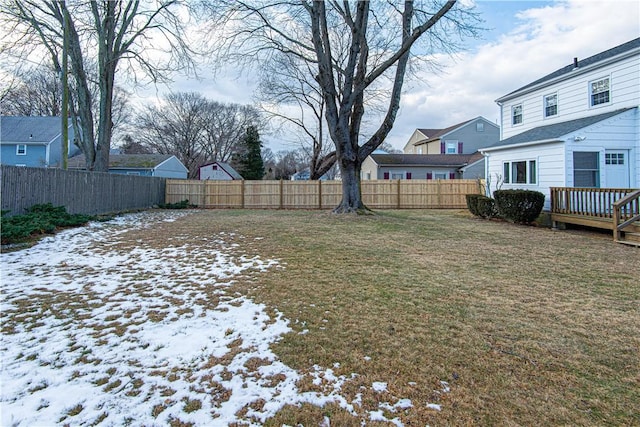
379	386
434	406
98	331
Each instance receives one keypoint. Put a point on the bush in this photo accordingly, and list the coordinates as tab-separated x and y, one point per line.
39	219
486	207
519	206
472	203
184	204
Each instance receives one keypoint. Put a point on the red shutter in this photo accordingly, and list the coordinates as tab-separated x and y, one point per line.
459	147
429	175
452	175
408	175
442	148
386	175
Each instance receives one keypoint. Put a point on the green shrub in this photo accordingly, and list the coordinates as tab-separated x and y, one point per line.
486	207
184	204
519	206
472	203
39	219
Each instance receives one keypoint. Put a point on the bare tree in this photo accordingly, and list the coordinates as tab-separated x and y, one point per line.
34	93
195	129
225	126
37	91
176	126
105	35
350	46
287	83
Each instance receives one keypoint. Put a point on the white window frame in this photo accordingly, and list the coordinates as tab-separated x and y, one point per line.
451	146
21	152
598	91
440	175
546	105
530	172
614	159
133	173
479	127
397	175
514	115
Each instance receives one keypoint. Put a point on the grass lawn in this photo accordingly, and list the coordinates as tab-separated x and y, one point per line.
454	320
527	326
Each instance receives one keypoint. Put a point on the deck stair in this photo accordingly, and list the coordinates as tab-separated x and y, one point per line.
626	219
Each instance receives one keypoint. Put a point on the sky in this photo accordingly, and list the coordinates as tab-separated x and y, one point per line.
100	334
525	40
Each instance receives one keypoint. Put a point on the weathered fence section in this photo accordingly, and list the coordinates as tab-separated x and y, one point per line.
380	194
79	191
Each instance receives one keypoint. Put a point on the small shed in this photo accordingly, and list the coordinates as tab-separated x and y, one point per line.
218	171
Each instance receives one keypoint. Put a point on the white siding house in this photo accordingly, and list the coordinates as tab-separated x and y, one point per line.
218	171
576	127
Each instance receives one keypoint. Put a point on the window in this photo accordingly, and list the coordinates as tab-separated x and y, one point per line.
452	147
479	127
614	158
520	172
397	175
516	114
21	150
586	172
599	91
441	175
551	105
133	173
419	150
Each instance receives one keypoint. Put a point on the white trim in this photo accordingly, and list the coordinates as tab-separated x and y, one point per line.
590	91
18	153
544	106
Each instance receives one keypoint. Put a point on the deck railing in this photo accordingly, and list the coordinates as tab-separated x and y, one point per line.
593	202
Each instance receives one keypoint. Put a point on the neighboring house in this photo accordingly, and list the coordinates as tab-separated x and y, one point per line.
463	138
33	141
418	166
218	171
157	165
305	175
576	127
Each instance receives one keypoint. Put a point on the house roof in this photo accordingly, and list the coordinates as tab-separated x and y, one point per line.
438	160
125	161
29	129
554	131
434	134
610	53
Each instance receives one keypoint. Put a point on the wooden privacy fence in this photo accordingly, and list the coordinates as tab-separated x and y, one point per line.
79	191
380	194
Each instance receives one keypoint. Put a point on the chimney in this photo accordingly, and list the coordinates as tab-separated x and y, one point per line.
575	62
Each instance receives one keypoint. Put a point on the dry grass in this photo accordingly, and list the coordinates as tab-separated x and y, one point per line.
528	326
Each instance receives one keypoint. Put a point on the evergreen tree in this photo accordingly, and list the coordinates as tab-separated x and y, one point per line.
248	161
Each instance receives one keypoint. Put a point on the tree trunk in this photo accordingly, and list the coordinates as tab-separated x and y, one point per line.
351	195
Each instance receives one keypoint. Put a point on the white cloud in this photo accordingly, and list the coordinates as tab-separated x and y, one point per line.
546	38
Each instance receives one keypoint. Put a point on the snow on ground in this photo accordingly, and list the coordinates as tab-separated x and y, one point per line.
95	333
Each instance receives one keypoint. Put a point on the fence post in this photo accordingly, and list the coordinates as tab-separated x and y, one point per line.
319	194
398	196
242	194
281	193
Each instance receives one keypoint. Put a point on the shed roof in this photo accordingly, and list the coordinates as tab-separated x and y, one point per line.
438	160
29	129
610	53
555	131
227	168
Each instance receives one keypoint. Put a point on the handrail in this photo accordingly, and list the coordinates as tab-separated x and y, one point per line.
632	213
585	201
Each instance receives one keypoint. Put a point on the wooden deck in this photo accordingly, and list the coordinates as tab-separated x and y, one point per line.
615	209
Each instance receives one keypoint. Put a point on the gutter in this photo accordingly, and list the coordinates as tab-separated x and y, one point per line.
520	144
